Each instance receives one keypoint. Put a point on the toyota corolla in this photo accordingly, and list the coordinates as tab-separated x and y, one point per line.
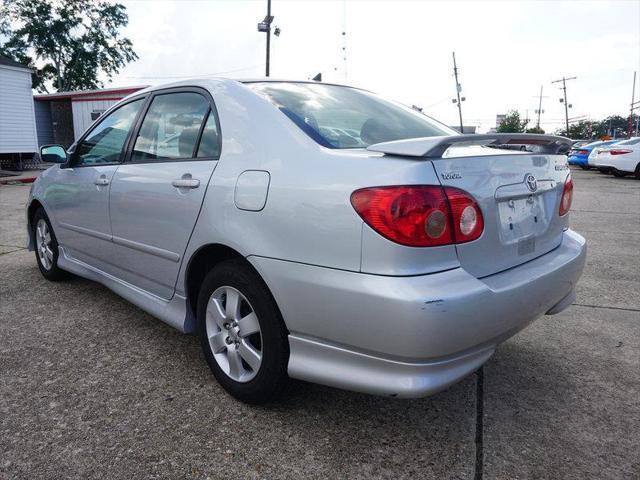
312	231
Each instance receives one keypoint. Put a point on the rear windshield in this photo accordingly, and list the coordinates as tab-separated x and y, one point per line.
345	117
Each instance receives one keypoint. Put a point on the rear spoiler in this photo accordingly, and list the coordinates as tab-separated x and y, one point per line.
435	147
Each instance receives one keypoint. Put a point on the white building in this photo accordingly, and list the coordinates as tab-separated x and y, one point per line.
18	137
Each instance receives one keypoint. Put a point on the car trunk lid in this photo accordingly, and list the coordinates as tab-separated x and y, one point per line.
518	193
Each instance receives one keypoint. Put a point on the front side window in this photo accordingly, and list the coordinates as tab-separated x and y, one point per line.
104	143
170	127
345	117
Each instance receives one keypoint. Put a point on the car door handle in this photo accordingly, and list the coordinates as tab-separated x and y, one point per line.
187	182
101	181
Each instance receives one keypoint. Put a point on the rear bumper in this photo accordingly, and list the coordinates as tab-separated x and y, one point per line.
608	166
412	336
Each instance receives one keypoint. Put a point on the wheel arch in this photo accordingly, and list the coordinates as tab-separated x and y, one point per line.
203	261
31	211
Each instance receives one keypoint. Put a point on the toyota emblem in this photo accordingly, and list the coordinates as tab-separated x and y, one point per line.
532	183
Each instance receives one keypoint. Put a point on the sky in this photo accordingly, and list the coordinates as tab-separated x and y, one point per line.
506	50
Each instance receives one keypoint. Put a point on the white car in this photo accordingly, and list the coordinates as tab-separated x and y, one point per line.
621	159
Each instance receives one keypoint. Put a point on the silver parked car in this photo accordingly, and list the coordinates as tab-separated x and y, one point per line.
312	231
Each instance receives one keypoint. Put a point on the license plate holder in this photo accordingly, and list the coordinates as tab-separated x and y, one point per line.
522	219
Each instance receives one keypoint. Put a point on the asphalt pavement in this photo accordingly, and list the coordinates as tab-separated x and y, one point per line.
92	387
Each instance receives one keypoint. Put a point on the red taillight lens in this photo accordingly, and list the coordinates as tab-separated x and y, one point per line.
619	151
567	196
467	216
419	215
416	216
583	152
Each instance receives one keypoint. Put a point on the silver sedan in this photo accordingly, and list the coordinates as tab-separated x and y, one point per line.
312	231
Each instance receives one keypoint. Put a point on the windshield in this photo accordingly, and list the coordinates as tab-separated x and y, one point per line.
345	117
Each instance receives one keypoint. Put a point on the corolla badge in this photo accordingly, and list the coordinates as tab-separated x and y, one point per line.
532	183
451	176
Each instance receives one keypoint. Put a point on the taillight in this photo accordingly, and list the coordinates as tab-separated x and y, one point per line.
467	216
420	215
567	196
619	151
583	152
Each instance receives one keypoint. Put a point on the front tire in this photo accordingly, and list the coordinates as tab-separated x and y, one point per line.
242	333
46	247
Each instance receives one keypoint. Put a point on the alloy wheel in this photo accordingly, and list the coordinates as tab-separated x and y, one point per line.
43	244
234	334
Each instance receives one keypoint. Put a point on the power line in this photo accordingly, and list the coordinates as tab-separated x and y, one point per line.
566	106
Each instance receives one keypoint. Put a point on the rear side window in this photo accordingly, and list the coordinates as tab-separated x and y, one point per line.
344	117
170	127
210	141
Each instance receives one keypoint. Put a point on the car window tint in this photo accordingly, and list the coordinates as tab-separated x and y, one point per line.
171	126
210	141
105	142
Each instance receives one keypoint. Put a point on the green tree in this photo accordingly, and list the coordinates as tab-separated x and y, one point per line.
615	123
512	123
583	129
69	44
589	129
535	130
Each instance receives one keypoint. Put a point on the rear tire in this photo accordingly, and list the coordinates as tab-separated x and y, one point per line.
244	342
46	247
637	172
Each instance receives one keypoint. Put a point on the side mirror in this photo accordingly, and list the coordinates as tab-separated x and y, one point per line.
53	154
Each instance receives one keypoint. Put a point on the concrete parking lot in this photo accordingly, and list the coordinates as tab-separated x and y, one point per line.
92	387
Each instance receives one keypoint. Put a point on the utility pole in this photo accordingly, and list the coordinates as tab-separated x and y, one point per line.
566	105
344	39
268	36
633	98
539	111
265	27
458	89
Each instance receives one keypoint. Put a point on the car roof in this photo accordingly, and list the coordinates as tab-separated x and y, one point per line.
209	81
